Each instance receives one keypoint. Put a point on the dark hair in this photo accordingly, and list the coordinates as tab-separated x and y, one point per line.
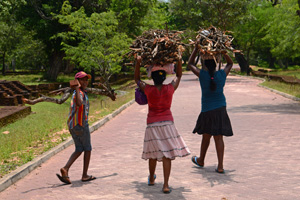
158	76
211	66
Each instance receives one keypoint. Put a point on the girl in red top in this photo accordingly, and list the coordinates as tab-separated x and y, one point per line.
162	142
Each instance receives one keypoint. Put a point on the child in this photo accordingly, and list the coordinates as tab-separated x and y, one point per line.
213	119
162	142
79	128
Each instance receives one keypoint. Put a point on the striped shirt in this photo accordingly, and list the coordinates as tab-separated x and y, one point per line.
78	114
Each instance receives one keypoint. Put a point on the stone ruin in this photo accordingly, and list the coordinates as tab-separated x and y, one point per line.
12	92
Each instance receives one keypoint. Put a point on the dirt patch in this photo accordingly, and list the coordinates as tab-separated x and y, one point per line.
10	114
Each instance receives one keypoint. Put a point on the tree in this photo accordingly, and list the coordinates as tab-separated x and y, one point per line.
251	29
223	14
185	14
130	14
10	30
93	42
156	17
284	32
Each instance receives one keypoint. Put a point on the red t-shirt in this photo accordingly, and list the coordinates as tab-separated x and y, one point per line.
159	103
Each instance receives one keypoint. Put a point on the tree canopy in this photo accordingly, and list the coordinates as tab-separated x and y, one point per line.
94	33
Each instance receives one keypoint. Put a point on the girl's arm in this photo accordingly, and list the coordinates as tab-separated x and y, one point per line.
137	76
191	63
177	79
229	63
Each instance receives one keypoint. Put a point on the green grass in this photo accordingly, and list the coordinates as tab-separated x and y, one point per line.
294	73
46	127
293	90
35	79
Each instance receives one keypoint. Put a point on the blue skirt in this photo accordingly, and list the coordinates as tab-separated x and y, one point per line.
214	122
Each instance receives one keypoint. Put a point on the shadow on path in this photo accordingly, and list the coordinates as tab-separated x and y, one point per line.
155	192
77	183
213	178
293	108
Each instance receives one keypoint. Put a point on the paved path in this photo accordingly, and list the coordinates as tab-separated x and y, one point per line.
261	159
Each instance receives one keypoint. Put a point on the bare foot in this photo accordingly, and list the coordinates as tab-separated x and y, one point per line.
64	174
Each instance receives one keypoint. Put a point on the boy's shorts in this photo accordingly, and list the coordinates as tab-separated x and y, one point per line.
82	138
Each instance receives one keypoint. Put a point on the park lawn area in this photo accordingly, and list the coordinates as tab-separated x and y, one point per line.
46	127
294	73
35	79
293	90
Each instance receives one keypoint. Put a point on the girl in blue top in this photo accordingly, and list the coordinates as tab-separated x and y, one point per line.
213	119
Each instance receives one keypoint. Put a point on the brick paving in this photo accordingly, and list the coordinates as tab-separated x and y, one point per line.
261	159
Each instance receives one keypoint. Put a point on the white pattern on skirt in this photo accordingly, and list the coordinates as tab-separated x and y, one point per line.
163	140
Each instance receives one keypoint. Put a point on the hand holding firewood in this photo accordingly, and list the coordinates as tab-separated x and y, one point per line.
74	83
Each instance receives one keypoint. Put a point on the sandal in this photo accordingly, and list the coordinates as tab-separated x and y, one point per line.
167	192
220	172
90	178
64	179
151	184
194	160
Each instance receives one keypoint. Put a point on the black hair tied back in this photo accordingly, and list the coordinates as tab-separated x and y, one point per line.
211	66
158	76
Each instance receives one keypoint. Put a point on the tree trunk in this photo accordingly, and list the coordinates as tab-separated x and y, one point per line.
3	64
242	62
56	65
281	63
93	77
286	63
272	62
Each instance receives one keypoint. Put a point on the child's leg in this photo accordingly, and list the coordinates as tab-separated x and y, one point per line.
167	172
220	151
86	162
203	149
152	167
65	170
71	160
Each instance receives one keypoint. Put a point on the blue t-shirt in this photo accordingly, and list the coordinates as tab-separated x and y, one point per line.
212	99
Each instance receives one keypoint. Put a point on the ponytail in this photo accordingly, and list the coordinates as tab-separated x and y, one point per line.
211	66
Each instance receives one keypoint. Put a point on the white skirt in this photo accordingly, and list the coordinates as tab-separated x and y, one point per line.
163	140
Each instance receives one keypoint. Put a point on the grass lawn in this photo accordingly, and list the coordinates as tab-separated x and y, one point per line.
293	90
294	73
35	79
46	127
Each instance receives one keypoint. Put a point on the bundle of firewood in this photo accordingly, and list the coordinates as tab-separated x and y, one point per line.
157	47
213	41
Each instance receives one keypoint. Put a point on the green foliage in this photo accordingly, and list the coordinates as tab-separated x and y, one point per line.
223	13
251	29
185	14
130	14
15	41
194	13
156	18
284	30
93	41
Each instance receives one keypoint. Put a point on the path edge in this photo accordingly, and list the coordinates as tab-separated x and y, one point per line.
271	89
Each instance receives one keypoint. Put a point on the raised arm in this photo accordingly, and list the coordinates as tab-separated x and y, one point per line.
191	63
137	75
177	79
229	63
